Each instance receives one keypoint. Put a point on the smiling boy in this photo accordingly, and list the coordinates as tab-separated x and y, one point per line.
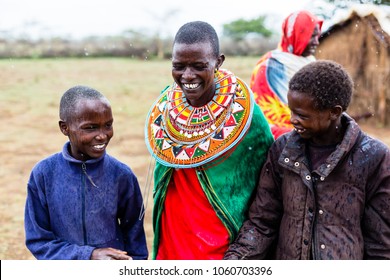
82	203
324	190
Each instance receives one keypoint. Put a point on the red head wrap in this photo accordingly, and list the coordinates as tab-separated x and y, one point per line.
297	30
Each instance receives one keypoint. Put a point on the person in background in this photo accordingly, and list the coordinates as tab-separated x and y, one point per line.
324	190
83	203
209	139
273	71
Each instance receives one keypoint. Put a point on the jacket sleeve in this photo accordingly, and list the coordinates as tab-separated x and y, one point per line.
376	220
40	239
258	233
131	218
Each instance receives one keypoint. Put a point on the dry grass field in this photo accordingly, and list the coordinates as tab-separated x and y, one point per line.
29	95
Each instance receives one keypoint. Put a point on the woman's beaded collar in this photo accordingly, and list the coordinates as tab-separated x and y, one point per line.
180	135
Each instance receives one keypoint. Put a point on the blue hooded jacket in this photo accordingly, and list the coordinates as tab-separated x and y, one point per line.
74	207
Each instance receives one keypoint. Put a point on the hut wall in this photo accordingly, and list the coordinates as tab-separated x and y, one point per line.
367	59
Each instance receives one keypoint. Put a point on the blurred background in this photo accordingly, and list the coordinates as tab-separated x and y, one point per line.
123	49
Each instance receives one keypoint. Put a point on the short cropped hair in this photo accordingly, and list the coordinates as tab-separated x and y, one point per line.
198	32
326	81
72	96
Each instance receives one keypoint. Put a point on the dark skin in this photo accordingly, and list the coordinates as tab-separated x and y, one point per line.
193	69
109	254
313	42
89	130
322	127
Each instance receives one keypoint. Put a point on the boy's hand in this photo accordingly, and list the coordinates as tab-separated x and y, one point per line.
109	254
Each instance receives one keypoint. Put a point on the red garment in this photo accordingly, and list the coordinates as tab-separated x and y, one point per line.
273	71
190	229
278	131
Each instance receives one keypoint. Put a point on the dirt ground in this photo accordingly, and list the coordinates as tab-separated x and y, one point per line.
29	132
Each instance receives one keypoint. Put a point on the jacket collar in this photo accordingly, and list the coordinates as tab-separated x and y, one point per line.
293	152
67	156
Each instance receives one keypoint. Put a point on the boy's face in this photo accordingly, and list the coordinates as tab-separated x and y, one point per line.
89	128
309	122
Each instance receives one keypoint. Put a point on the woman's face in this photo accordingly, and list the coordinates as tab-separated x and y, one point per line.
193	67
313	42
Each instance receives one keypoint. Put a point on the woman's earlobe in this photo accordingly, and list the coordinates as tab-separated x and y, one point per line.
220	61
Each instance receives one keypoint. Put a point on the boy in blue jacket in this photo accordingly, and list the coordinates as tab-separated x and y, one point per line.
82	203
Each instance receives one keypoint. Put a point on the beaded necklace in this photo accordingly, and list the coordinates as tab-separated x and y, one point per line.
180	135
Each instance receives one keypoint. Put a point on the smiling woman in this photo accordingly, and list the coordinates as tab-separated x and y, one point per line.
193	70
209	139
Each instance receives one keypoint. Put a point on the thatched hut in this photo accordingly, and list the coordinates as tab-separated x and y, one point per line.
362	46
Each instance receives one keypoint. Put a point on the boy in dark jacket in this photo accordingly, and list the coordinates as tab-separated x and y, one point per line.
82	203
324	191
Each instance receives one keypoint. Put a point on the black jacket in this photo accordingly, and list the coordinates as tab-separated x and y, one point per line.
341	210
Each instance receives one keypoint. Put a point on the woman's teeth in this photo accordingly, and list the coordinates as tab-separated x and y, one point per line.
190	86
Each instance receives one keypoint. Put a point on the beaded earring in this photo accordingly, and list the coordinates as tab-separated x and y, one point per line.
216	74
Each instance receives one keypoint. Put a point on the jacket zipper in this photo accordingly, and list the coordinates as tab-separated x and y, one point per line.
314	225
84	167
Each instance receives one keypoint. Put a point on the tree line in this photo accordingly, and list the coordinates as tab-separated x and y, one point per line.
241	37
